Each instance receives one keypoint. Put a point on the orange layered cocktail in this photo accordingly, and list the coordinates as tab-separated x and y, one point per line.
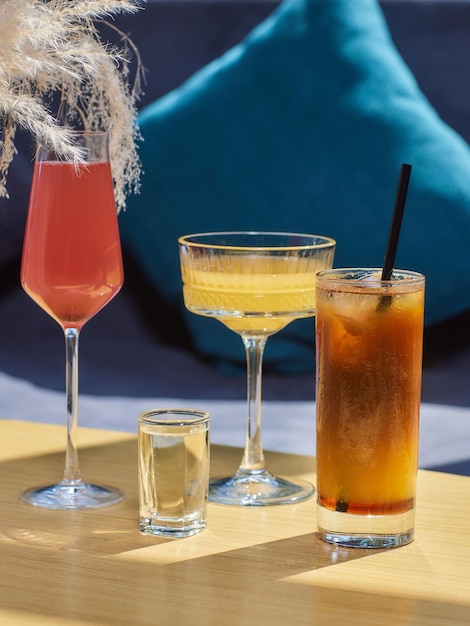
369	363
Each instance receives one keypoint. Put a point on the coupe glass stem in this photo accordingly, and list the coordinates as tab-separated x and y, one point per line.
253	457
72	469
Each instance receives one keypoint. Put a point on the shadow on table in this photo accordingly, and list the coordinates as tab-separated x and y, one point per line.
115	530
88	565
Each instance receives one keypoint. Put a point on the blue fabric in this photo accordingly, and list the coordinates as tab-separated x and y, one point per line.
303	126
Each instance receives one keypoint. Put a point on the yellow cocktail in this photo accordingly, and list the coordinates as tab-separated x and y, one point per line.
254	283
253	294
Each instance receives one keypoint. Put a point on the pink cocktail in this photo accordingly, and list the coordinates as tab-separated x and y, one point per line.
72	267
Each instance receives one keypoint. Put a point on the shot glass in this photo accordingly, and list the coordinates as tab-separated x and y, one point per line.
173	446
369	336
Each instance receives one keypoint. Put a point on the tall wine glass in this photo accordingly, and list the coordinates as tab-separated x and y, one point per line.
255	283
72	267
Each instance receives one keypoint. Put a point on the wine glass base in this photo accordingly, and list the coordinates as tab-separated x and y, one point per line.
258	489
77	495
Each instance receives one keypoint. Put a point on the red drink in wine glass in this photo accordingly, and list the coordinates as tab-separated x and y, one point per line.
72	267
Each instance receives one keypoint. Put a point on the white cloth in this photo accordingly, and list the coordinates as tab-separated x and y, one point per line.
286	426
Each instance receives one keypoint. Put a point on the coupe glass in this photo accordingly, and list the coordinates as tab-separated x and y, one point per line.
72	267
255	283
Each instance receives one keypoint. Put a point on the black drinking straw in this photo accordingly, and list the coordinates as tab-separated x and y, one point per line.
399	207
389	261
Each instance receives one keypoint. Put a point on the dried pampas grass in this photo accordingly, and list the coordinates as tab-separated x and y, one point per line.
57	75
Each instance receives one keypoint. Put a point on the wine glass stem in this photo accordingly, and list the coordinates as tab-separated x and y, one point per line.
72	470
253	457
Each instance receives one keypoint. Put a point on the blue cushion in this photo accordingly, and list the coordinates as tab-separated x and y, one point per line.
303	127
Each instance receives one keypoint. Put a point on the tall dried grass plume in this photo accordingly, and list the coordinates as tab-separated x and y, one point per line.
58	74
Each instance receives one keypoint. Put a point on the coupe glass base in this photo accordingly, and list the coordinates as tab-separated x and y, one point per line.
76	495
258	489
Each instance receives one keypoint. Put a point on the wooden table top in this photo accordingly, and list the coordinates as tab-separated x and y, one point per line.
255	565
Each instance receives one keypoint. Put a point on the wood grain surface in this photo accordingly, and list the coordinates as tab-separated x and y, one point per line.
252	565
